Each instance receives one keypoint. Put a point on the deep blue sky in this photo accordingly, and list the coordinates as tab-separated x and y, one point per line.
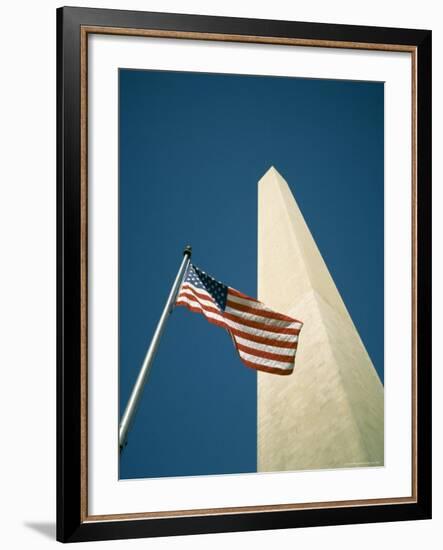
192	148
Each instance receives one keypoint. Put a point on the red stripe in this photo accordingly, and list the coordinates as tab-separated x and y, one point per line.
263	340
261	326
199	294
261	312
266	354
241	295
263	368
195	299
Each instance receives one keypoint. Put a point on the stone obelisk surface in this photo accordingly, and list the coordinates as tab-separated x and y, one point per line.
329	412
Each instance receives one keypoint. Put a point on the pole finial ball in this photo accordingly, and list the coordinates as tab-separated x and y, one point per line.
187	251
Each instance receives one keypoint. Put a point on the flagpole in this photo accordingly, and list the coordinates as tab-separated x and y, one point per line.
137	390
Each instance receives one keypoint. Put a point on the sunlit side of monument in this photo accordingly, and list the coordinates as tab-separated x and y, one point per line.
329	412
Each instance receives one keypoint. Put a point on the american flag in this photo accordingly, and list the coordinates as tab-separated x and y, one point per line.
265	340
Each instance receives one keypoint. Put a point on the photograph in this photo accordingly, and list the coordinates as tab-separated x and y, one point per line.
257	204
244	272
217	275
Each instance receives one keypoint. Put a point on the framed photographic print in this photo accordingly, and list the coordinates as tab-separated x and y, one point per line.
244	274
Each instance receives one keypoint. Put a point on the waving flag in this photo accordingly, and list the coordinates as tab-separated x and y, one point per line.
265	340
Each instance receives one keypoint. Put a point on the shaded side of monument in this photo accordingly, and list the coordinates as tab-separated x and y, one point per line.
330	412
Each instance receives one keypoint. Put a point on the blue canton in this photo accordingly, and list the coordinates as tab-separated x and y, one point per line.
200	279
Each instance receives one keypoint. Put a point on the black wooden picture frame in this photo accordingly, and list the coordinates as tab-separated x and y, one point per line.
73	26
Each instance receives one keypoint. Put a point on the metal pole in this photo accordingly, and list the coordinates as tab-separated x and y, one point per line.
137	390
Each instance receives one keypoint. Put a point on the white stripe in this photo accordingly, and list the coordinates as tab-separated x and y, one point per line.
190	286
195	288
265	347
257	332
259	305
187	293
244	301
265	362
261	319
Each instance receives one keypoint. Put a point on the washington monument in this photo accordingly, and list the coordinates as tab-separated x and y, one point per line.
329	412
